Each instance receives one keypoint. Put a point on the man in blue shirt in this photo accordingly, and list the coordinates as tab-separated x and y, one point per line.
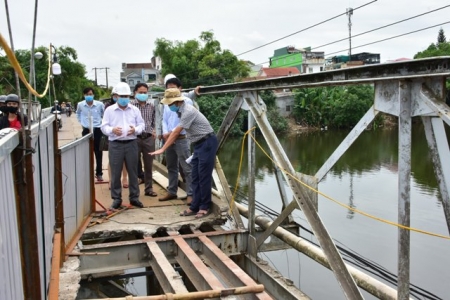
90	114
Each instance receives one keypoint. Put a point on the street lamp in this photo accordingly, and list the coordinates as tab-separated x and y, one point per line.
56	67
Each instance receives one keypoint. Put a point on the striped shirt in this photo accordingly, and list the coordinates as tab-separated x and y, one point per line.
194	122
171	119
148	114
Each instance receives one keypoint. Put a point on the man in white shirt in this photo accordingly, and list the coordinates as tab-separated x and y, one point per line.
122	122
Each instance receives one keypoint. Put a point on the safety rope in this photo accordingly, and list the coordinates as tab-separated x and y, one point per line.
15	64
322	194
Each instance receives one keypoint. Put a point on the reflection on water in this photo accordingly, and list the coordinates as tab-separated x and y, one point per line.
365	178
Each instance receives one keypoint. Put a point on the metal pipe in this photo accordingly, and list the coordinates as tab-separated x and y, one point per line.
364	281
199	295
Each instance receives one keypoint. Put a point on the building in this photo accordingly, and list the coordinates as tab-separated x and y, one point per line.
278	72
134	73
304	60
345	61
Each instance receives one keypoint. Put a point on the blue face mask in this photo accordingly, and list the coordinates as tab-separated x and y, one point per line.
174	108
123	101
142	97
89	98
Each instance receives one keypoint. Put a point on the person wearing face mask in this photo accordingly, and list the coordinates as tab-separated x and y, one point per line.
112	101
204	141
122	123
146	140
90	113
179	151
12	118
2	104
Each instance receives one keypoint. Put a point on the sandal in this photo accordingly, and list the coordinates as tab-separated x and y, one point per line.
187	213
151	194
201	214
140	181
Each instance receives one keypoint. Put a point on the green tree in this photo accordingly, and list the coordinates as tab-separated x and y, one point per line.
441	37
339	107
68	86
199	62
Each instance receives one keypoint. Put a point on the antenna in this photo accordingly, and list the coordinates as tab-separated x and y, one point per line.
349	14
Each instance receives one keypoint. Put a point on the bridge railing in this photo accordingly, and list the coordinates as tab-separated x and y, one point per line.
46	195
404	90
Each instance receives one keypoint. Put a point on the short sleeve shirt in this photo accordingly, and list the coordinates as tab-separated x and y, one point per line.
194	122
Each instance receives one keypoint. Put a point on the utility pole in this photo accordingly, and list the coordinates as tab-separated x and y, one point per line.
95	76
349	14
106	69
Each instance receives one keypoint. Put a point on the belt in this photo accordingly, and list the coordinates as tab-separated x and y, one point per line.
181	137
123	141
203	139
144	135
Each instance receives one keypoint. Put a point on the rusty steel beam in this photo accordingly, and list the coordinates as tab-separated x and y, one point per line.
26	219
53	288
74	240
168	278
230	271
91	172
199	274
59	200
229	119
418	68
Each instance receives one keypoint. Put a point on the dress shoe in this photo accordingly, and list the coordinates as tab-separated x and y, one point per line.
137	203
168	197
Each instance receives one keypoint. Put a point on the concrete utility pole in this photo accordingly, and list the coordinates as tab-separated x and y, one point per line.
95	76
106	69
349	14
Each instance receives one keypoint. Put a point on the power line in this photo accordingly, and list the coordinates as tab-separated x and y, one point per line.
381	27
304	29
390	38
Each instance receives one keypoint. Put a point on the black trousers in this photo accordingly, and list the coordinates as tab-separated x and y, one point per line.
98	153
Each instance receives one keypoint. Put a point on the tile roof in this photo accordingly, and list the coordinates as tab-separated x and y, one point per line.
279	72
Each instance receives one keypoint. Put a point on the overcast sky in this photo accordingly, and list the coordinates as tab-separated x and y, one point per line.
106	33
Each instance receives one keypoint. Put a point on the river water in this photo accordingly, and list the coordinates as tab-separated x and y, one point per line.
365	178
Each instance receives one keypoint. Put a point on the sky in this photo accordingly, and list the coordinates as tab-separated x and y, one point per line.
106	33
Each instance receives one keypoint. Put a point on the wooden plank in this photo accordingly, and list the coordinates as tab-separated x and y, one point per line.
169	279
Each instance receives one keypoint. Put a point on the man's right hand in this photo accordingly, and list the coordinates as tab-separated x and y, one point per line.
117	130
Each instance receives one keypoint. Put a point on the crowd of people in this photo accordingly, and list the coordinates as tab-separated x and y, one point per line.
129	127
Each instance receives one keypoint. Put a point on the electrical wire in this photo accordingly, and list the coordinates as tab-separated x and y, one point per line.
390	38
382	27
304	29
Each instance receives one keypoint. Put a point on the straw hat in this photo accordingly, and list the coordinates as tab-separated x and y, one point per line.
172	95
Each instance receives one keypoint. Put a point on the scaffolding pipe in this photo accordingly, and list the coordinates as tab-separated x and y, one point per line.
199	295
364	281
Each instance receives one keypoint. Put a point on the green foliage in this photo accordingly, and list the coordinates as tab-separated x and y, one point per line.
157	89
214	108
200	62
441	37
68	86
338	107
441	48
268	97
279	124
